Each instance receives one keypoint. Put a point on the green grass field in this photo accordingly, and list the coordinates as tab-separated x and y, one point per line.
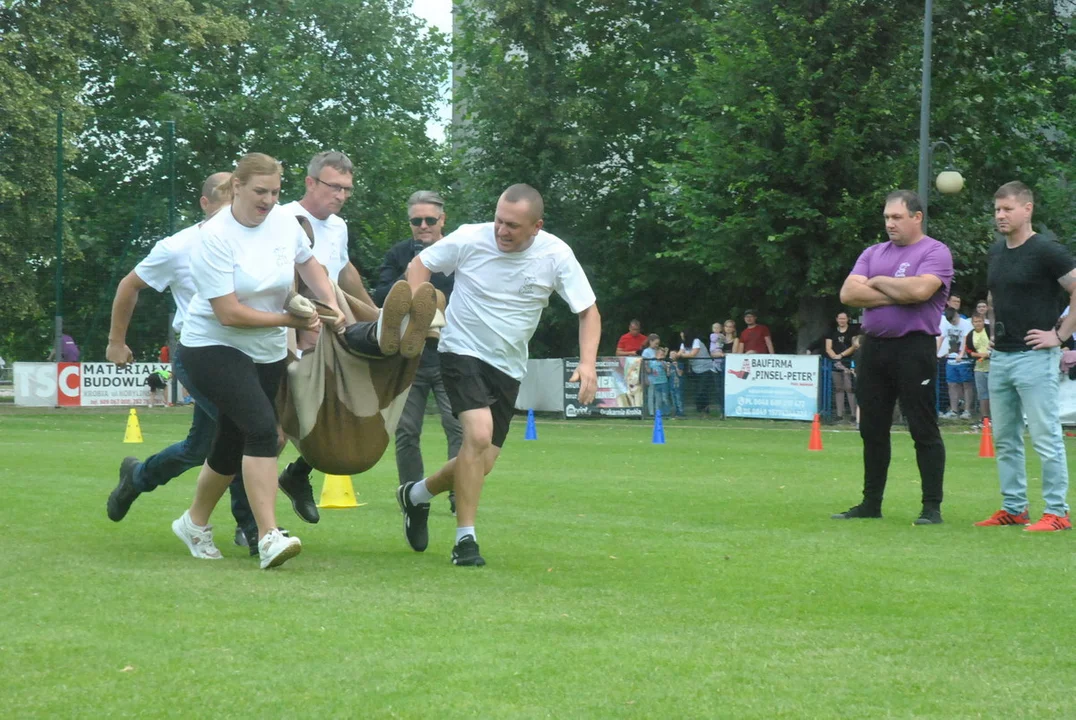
698	579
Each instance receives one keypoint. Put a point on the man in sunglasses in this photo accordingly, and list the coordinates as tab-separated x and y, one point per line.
328	186
425	210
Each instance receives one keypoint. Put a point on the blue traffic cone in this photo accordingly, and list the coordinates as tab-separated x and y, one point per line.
659	429
532	432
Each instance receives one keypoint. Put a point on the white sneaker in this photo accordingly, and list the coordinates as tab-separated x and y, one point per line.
948	415
198	540
275	549
965	415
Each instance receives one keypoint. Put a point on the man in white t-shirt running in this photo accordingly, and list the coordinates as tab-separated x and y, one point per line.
329	184
504	272
168	267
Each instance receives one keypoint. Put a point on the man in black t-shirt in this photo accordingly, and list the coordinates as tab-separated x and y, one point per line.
1024	272
426	214
840	345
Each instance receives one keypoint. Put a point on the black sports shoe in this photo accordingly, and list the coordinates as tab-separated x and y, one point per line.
857	511
929	516
119	501
296	485
466	552
415	517
452	503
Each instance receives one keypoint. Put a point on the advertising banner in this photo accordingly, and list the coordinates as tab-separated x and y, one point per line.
775	387
620	389
83	384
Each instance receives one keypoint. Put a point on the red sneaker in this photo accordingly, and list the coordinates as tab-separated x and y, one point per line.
1004	517
1050	523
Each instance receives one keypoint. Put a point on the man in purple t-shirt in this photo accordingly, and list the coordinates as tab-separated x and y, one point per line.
902	284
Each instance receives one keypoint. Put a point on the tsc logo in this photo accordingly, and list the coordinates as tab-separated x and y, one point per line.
48	384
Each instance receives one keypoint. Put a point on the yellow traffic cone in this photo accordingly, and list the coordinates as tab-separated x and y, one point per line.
337	492
134	432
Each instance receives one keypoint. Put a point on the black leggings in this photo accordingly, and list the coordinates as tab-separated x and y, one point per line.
244	393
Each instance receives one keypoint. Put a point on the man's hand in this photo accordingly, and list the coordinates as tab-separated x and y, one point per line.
587	377
312	324
119	353
1042	339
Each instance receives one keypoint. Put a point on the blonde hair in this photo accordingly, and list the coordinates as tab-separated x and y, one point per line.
735	330
250	165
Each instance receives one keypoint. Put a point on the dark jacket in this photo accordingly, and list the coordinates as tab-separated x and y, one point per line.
395	265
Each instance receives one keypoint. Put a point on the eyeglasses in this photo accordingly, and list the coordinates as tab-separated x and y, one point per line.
430	221
333	187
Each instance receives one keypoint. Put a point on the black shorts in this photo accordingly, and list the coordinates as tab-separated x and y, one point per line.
156	382
472	384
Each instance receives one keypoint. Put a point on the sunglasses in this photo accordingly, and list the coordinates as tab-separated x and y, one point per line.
430	221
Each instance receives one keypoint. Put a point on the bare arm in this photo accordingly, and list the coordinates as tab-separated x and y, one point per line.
417	273
689	353
769	344
123	306
620	352
351	283
1042	339
316	278
590	330
990	314
232	313
906	291
857	293
829	350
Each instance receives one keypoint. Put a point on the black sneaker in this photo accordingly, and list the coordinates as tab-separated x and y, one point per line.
466	552
119	501
415	517
929	516
858	511
296	485
452	503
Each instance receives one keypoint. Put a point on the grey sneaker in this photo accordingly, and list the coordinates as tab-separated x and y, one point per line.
199	540
119	501
466	553
415	518
929	516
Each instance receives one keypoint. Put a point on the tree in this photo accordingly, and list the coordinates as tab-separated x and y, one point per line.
579	99
802	116
286	78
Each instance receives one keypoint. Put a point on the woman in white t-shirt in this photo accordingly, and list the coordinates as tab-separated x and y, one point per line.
234	347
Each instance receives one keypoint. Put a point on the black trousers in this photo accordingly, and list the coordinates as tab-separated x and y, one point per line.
243	392
889	369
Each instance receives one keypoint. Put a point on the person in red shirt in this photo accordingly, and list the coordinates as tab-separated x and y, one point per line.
755	338
632	342
165	354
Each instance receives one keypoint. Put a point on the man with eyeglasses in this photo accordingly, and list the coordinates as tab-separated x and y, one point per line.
426	214
328	186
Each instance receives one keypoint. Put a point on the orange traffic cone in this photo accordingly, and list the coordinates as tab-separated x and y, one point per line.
816	434
986	444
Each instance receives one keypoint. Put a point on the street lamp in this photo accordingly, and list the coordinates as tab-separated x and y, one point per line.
948	181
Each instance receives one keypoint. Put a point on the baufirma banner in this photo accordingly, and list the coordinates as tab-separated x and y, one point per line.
83	384
776	387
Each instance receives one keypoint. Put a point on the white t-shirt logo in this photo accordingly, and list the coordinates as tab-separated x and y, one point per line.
902	270
529	282
282	258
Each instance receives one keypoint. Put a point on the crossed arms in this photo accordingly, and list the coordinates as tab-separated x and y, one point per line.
864	292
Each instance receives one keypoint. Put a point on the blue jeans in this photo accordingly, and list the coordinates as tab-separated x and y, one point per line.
659	398
1028	382
174	460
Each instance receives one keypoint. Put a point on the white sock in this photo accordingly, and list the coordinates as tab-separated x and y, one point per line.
419	494
462	531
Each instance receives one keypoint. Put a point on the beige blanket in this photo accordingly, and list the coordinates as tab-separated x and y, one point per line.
340	408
